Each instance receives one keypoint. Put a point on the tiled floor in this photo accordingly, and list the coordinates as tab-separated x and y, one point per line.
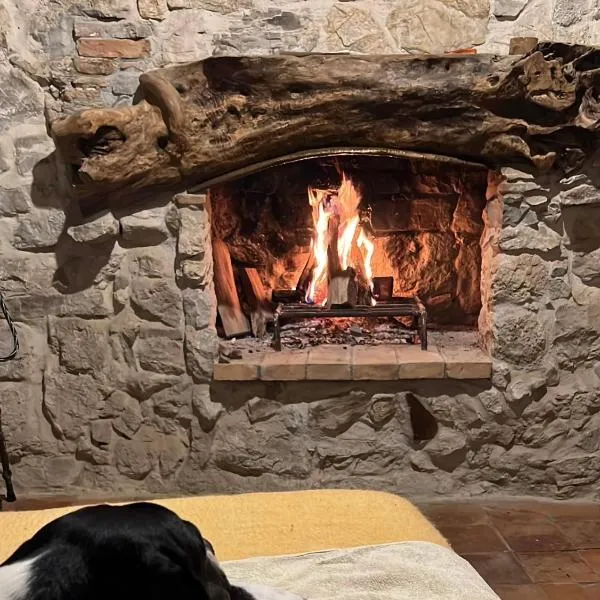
527	550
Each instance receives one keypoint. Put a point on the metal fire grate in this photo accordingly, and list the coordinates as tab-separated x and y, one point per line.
396	307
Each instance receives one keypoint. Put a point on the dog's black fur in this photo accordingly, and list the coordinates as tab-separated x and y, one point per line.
138	551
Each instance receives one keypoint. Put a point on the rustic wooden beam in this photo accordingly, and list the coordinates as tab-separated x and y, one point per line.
204	120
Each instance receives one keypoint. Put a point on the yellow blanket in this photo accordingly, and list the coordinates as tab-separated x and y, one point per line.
272	524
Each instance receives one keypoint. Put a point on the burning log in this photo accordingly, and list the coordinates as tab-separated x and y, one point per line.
233	319
343	289
260	308
346	289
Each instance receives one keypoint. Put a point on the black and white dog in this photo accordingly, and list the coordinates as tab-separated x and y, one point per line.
139	551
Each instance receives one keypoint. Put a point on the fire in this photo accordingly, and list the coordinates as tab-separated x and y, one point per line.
340	242
321	212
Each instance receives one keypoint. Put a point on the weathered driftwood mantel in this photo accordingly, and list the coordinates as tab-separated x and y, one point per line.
202	120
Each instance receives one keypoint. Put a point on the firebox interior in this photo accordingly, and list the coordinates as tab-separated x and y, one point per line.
414	222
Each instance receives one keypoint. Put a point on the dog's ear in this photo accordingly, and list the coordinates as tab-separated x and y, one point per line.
211	576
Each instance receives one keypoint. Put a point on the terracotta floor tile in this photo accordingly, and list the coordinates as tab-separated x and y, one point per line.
584	534
498	568
556	567
473	539
564	591
520	592
573	510
536	536
592	558
455	513
592	591
516	513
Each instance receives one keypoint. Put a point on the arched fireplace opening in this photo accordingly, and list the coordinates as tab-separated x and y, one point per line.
329	245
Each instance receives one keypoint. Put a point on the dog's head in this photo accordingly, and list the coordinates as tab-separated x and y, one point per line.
140	550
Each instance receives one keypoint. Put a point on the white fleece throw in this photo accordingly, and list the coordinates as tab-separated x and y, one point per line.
403	571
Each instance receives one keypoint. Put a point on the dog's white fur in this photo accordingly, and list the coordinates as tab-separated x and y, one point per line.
14	579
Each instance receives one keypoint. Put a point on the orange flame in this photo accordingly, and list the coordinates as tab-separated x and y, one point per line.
320	243
350	235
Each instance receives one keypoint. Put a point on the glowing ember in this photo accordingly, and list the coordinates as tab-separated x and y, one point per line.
339	242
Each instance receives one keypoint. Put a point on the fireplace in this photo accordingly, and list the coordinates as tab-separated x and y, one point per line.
353	248
474	180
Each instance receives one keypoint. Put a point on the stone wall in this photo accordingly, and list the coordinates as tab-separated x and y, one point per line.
111	391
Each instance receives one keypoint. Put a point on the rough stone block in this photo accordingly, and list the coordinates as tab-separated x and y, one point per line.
448	449
22	98
13	202
581	195
520	279
199	307
7	156
207	411
519	336
71	402
194	232
101	432
39	229
187	199
157	300
126	412
87	28
27	365
153	262
136	458
100	229
173	452
509	8
335	415
145	227
82	344
262	409
125	83
383	408
586	265
261	448
105	9
522	238
113	48
161	355
201	349
26	429
153	9
95	66
174	402
433	28
195	273
349	27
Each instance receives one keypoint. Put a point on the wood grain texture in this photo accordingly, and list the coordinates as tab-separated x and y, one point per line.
202	120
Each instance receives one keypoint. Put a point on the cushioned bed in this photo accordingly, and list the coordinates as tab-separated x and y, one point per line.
312	542
270	524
